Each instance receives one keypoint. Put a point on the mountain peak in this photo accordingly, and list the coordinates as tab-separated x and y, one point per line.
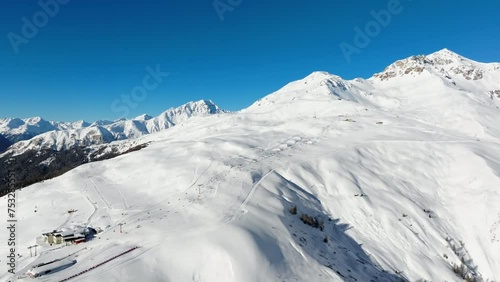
80	123
442	62
202	102
201	106
411	65
446	57
318	75
34	120
447	53
143	117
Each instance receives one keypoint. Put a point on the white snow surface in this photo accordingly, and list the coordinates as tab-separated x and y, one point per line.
403	171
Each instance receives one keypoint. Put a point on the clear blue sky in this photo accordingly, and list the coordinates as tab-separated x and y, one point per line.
93	51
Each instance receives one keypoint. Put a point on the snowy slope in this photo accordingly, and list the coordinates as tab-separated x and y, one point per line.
402	175
101	132
444	89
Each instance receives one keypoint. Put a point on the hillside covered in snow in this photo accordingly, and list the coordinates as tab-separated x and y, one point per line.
55	152
391	178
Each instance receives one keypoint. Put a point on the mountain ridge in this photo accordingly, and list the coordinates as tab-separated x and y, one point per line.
65	135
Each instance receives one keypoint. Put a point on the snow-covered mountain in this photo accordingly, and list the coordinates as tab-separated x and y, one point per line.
64	135
392	178
442	89
16	129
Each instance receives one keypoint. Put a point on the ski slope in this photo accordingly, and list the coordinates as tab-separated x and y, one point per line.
405	186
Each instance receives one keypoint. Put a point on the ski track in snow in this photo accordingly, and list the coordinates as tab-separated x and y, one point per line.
65	223
89	220
242	210
104	200
119	192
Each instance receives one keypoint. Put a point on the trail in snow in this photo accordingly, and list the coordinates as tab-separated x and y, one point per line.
65	223
89	220
123	199
118	192
104	200
242	208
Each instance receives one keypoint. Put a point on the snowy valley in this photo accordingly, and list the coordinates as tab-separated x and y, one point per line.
391	178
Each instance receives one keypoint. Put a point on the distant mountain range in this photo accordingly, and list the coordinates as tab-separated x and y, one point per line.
37	133
16	129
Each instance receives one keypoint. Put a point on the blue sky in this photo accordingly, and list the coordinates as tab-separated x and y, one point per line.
91	52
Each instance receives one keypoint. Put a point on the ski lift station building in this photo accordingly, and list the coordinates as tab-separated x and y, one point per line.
76	234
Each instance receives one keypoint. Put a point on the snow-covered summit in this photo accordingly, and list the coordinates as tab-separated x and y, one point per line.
143	117
301	97
79	124
440	88
201	106
446	56
444	63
